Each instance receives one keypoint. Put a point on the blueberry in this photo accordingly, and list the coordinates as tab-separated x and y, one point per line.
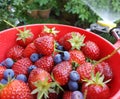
77	95
22	77
57	58
8	62
74	76
65	55
72	85
8	74
31	68
34	57
3	81
61	48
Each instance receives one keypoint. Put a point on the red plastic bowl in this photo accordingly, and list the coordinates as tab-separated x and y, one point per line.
8	37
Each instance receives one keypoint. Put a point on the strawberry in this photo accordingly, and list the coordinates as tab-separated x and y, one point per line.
46	63
77	56
24	37
91	50
16	89
30	48
48	31
104	69
21	66
38	75
85	70
15	52
45	45
40	81
95	88
53	96
72	40
2	69
61	72
67	95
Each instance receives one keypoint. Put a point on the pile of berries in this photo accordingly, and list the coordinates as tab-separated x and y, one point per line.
48	68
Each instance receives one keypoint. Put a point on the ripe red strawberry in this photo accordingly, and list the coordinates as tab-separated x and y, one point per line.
16	89
95	88
2	69
77	56
91	50
40	82
46	63
61	72
72	40
104	69
30	49
45	45
15	52
85	70
53	96
67	95
38	75
21	66
48	31
24	37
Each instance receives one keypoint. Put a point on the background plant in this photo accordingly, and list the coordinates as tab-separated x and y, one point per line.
85	14
12	10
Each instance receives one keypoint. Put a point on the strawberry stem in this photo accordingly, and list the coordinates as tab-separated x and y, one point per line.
12	25
106	57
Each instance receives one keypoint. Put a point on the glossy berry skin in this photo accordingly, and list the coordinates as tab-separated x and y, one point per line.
77	56
3	81
73	85
31	68
91	50
34	57
74	76
57	58
35	75
77	95
64	40
8	62
8	73
21	66
67	95
96	91
105	69
61	72
16	90
29	49
60	47
45	45
53	96
15	52
21	77
65	55
46	63
84	70
2	69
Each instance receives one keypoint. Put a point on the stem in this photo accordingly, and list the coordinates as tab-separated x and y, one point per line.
106	57
12	25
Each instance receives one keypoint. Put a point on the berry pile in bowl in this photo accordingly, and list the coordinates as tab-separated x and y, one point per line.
53	61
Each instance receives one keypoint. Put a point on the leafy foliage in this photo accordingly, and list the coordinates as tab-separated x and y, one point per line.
12	10
79	8
84	13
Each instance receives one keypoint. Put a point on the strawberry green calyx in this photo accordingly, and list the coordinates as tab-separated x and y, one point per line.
24	34
76	41
50	30
96	79
43	88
